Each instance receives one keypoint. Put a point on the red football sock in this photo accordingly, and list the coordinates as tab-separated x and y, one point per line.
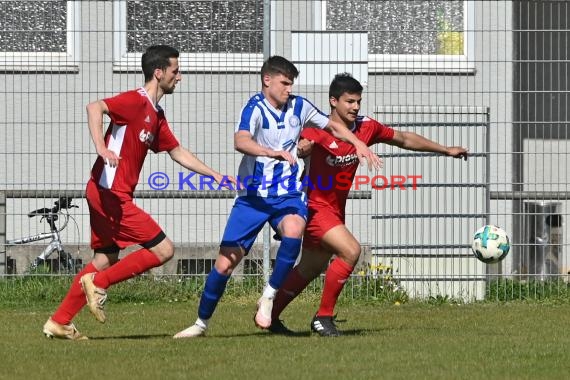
335	278
74	299
128	267
291	288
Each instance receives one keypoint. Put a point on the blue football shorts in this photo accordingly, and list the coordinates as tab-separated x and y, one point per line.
250	213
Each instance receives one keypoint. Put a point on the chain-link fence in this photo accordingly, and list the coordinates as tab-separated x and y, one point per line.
488	75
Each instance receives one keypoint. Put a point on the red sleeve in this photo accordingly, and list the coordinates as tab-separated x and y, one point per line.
124	107
382	133
316	135
165	141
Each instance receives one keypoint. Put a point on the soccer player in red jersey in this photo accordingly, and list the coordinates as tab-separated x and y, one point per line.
138	125
326	233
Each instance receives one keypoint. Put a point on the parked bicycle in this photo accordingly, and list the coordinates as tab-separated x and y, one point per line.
67	262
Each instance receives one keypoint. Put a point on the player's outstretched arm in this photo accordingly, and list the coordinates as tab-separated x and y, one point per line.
95	112
362	150
244	143
413	141
188	160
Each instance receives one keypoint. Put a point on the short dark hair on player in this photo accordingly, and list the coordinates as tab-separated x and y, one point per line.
279	65
344	83
157	57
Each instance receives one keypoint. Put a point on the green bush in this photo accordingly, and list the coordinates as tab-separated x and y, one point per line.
49	289
531	290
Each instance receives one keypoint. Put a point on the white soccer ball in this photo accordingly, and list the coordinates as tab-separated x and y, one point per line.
490	244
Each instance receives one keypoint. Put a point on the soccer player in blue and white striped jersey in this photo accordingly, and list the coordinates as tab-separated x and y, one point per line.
269	186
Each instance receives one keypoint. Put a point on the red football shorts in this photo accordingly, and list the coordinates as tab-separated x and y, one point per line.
320	222
116	220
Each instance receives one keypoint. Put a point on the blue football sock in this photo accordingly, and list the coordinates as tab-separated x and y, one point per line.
213	291
286	256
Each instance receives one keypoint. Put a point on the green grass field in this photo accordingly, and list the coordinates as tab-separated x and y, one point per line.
512	340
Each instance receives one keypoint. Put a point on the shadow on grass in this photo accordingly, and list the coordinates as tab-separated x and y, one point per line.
300	334
261	334
135	337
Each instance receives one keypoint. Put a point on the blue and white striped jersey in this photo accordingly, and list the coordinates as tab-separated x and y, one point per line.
277	130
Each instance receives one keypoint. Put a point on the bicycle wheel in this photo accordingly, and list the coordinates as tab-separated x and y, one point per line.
68	263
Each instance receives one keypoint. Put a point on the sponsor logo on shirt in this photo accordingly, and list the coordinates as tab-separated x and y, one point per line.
336	161
146	137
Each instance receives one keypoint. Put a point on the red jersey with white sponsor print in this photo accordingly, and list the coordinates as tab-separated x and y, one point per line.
137	125
334	162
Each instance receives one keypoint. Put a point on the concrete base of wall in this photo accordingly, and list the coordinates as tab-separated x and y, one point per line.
188	259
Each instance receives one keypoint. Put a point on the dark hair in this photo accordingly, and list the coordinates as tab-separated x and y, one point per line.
279	65
344	83
157	57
